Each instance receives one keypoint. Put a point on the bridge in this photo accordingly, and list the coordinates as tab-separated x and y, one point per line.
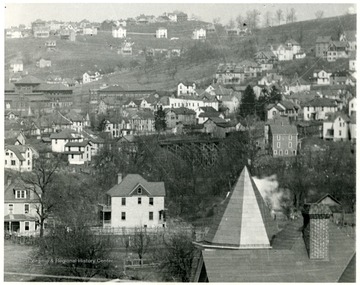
201	151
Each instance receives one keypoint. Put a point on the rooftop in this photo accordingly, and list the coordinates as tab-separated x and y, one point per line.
131	181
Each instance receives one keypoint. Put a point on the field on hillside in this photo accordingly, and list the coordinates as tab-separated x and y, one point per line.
306	32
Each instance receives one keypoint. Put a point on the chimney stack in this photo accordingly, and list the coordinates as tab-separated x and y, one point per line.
119	178
316	231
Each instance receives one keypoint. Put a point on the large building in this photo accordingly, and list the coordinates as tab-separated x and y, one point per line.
245	245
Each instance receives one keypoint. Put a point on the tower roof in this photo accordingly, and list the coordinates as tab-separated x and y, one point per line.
246	221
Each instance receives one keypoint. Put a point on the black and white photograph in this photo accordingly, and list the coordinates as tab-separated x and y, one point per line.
179	142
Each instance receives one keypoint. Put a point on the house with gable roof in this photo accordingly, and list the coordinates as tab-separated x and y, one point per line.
91	76
336	127
350	38
18	157
78	152
186	88
245	245
337	49
176	115
199	34
321	77
322	45
20	205
60	139
118	32
134	202
317	108
218	127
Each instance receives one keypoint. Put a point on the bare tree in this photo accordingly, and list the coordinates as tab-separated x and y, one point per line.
231	24
291	16
216	21
140	242
268	19
41	182
319	14
176	258
240	21
279	15
252	18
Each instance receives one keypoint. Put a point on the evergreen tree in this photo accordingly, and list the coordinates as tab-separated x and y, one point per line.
160	120
248	100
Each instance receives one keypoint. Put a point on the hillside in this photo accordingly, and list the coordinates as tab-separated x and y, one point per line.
306	32
72	59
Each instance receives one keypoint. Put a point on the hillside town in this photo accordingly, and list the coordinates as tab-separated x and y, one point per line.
156	143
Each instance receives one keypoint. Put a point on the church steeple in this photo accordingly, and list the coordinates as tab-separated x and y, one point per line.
246	221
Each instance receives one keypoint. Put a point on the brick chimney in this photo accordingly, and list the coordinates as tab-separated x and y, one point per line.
316	231
119	178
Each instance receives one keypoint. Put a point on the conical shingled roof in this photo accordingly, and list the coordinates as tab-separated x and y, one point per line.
246	221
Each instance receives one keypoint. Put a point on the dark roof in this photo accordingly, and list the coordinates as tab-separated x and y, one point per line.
65	134
283	129
52	87
19	217
18	150
28	80
131	181
331	117
183	111
82	143
208	109
349	274
320	102
290	264
209	114
323	39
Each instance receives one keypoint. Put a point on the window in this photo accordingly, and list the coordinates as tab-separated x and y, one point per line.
139	201
20	194
7	154
280	152
294	152
123	216
339	133
11	208
290	144
55	141
278	137
278	145
123	201
28	154
286	152
72	156
151	216
13	162
151	201
290	137
27	226
275	152
26	207
139	190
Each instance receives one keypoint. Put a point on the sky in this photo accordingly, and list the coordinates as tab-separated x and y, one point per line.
25	13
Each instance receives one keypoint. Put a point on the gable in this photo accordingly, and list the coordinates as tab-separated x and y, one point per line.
139	190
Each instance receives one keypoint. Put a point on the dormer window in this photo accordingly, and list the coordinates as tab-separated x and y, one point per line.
139	190
20	194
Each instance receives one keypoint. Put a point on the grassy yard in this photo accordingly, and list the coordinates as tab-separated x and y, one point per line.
18	259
